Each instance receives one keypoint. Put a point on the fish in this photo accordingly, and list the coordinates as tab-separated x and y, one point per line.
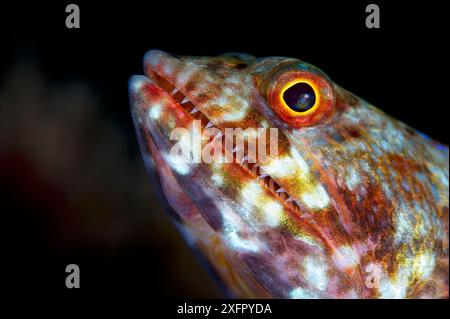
341	201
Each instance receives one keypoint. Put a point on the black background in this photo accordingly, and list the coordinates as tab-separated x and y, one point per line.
399	68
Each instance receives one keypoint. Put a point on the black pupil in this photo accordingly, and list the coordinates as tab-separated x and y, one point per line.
300	97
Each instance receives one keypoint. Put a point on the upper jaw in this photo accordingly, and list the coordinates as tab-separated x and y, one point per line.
174	71
155	61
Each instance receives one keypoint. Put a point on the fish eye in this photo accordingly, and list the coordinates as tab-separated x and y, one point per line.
300	97
299	94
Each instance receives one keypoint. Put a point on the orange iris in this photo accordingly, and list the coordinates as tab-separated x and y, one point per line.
301	98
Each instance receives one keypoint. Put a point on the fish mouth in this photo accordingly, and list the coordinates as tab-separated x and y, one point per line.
182	103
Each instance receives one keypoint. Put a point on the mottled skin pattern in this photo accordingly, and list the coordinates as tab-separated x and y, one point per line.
362	194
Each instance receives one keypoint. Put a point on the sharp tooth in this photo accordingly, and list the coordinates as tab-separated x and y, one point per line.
290	199
174	91
185	100
281	190
194	110
235	149
209	124
262	176
244	159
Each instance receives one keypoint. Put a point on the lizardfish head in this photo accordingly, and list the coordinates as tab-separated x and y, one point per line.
340	200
